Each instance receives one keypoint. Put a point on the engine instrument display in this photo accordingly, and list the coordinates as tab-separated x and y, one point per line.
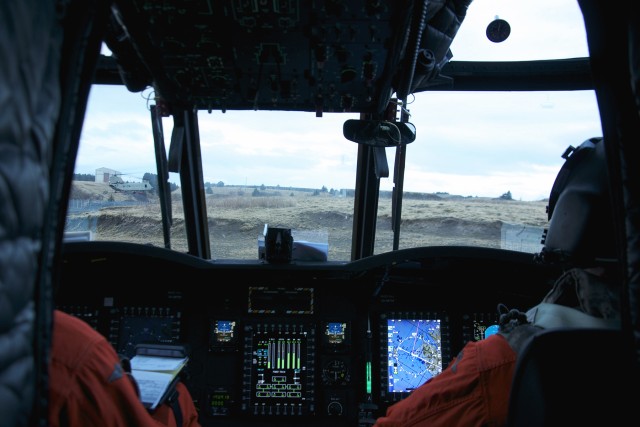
281	363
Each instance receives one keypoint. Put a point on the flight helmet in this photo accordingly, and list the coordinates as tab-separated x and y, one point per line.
581	231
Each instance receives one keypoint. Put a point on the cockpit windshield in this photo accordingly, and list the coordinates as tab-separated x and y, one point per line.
478	173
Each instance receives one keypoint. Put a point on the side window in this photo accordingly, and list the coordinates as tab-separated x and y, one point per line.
114	193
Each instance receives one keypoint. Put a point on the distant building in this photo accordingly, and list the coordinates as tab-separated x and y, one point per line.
105	174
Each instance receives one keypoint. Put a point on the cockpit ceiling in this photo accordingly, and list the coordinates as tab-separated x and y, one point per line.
298	55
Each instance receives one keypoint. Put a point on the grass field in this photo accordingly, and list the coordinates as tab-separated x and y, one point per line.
237	217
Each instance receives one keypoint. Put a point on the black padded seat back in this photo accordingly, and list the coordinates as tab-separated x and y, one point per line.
575	377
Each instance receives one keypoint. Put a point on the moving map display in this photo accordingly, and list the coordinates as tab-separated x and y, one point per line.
414	352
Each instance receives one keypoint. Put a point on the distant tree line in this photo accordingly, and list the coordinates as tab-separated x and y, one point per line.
84	177
262	190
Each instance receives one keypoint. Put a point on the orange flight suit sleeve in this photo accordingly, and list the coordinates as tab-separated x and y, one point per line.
472	391
88	387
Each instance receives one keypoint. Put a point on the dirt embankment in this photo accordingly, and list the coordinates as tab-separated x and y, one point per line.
236	222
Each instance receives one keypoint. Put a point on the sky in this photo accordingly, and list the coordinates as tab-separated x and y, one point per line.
471	144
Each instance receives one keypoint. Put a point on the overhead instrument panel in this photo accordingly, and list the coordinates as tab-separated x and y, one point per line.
319	56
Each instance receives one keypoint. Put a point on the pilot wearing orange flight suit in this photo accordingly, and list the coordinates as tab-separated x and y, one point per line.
474	389
89	387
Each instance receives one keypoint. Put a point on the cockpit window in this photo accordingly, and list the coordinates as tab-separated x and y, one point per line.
477	174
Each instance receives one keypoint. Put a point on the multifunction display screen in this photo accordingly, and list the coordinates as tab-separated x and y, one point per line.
134	330
414	352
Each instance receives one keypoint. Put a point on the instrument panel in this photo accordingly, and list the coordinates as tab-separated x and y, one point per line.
297	343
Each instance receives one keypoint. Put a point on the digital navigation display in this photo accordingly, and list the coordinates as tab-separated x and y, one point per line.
414	352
